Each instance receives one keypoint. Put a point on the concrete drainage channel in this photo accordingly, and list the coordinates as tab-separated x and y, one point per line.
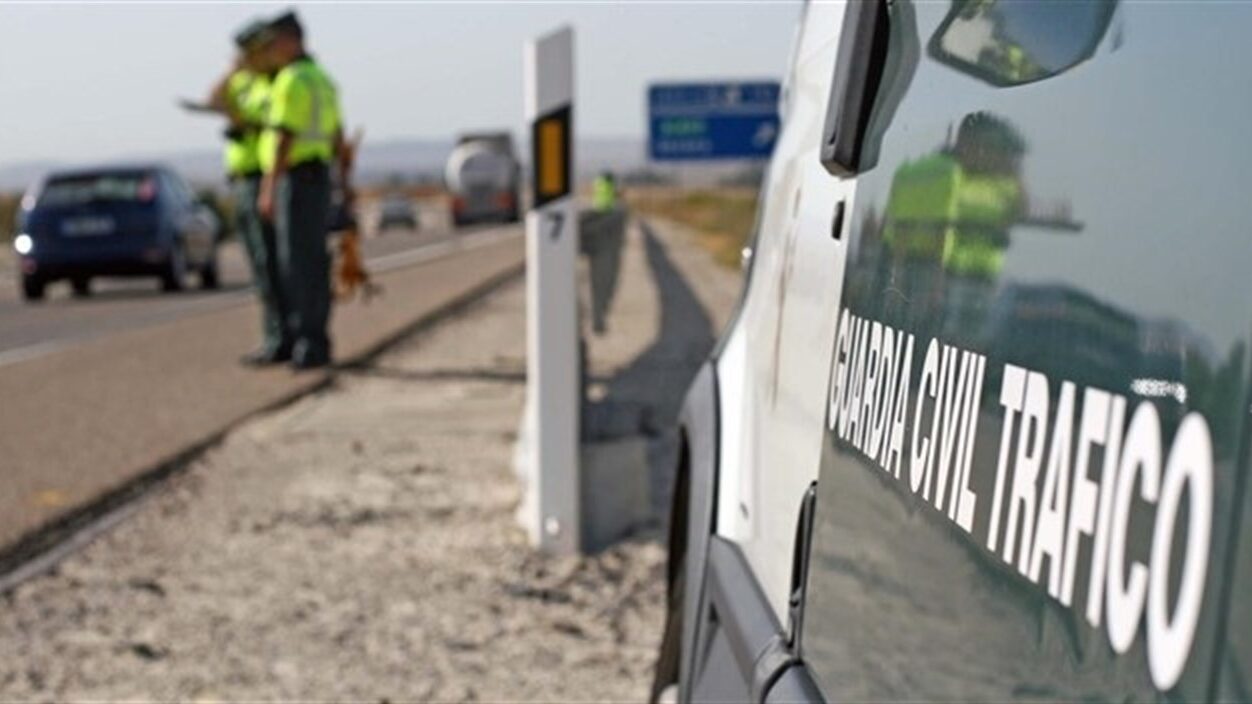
41	550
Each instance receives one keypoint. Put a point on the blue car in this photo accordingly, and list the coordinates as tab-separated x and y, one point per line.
131	220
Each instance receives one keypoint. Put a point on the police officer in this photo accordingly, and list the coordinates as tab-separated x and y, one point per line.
244	96
604	192
603	234
302	135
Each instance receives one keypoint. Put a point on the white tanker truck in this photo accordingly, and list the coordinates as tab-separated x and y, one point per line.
484	179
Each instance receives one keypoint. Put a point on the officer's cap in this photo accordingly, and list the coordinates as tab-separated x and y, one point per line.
287	23
252	34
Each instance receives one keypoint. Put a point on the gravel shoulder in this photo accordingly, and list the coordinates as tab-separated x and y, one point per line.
359	544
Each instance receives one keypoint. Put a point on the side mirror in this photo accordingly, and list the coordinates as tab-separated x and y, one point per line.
208	207
207	199
204	218
1013	43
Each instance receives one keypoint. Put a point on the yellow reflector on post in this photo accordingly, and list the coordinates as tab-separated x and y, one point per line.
550	147
551	167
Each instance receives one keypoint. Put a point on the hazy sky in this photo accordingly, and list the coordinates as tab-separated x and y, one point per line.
88	82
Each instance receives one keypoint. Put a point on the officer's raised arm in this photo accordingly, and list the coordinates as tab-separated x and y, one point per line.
219	94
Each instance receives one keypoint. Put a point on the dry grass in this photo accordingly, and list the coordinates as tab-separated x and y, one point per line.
8	221
8	215
721	217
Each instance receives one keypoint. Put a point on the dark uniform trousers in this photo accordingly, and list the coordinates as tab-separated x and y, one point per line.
302	209
261	244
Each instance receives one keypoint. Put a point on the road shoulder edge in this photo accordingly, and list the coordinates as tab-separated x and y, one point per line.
39	550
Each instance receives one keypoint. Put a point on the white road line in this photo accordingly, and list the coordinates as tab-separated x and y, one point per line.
380	264
21	354
434	250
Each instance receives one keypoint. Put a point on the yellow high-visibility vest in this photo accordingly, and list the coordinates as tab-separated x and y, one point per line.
247	94
938	211
305	104
603	194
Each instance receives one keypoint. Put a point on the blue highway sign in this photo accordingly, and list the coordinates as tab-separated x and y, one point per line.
697	121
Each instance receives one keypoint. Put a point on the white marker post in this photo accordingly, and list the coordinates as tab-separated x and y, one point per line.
551	512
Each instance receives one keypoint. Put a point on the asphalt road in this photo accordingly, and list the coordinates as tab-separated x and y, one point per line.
116	305
95	393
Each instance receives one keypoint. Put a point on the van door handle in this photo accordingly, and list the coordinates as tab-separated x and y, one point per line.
859	65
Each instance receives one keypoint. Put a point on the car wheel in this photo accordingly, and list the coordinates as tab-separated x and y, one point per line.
32	288
175	270
81	286
208	274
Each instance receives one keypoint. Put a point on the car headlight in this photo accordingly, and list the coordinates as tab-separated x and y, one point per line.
24	243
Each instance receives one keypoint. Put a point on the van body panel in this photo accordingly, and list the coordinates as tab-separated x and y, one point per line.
1045	312
785	327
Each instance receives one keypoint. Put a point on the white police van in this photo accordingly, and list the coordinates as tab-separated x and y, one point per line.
980	428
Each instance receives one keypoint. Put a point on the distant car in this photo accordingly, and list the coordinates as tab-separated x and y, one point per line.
130	220
397	211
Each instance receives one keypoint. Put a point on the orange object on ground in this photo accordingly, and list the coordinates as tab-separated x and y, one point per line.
350	273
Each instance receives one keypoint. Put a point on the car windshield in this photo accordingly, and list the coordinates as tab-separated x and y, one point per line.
80	189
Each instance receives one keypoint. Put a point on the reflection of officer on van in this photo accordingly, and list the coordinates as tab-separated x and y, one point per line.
954	209
303	134
243	95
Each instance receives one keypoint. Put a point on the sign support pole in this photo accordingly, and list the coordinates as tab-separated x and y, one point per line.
551	511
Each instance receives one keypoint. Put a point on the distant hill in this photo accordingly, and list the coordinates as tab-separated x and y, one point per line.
379	161
17	176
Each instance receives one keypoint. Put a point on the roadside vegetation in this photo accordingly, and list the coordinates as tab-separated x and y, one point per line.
8	215
8	221
722	217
